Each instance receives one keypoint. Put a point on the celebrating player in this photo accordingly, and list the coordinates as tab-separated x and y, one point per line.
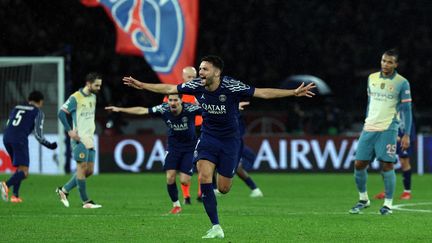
23	120
189	73
219	144
180	119
388	92
81	106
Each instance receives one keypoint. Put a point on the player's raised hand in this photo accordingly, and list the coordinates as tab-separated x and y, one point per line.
303	90
112	108
131	82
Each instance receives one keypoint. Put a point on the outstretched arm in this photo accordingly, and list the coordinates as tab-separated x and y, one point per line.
268	93
157	88
138	110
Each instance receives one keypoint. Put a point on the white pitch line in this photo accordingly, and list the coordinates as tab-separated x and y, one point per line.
401	207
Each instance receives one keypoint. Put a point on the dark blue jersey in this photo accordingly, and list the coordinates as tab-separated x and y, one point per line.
181	128
23	120
220	107
242	126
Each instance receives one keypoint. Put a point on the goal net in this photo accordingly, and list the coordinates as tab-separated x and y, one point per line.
18	77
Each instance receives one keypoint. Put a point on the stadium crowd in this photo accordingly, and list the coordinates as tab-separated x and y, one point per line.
338	41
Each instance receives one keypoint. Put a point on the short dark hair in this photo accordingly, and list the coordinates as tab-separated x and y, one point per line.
35	96
179	95
392	52
91	77
215	60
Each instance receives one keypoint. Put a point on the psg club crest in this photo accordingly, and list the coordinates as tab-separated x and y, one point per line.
222	98
162	31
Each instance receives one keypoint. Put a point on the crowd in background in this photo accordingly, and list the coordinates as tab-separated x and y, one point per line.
262	43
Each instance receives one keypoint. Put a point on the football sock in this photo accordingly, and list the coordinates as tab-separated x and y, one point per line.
407	179
360	179
185	190
18	176
389	183
210	203
71	184
16	188
176	204
214	182
363	196
250	183
388	202
173	192
82	189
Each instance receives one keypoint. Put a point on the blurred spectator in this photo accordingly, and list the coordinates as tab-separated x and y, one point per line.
264	41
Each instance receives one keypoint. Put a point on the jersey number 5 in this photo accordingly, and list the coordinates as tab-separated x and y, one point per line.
18	118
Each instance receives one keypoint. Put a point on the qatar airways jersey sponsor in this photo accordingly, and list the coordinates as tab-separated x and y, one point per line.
181	127
220	107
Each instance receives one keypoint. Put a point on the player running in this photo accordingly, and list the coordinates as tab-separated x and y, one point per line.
180	120
219	144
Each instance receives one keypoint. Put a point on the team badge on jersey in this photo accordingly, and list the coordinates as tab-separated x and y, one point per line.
81	155
382	85
222	98
185	119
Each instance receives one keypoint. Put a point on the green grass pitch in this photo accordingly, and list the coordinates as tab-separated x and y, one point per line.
295	208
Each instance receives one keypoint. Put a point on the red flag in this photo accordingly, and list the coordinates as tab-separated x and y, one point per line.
164	32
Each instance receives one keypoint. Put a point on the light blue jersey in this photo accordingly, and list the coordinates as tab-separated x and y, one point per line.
385	96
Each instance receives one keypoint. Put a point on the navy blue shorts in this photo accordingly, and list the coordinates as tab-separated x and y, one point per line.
405	153
180	161
19	153
223	152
